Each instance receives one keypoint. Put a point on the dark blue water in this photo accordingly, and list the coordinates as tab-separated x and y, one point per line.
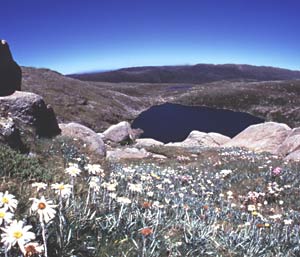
174	122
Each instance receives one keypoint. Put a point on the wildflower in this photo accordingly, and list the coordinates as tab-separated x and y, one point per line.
94	183
111	187
254	213
135	187
62	189
280	202
146	205
267	225
112	195
153	175
260	225
277	171
33	249
8	200
39	186
225	173
43	208
5	216
123	200
73	170
251	207
275	216
288	222
157	204
16	232
94	169
150	194
146	231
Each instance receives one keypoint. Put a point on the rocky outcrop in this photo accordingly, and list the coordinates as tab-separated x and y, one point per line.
264	137
24	118
10	72
89	139
197	138
147	142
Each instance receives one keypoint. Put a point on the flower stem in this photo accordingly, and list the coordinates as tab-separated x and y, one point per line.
61	232
44	238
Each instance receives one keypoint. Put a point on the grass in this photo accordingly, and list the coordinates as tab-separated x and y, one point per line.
198	202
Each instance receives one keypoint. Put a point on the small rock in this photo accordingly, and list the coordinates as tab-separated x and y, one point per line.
127	153
147	142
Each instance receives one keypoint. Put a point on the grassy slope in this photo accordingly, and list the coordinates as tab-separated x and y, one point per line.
83	102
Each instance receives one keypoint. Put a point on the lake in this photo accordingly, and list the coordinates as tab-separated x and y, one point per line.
174	122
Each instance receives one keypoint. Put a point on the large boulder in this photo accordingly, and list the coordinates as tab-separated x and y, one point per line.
197	138
10	72
121	132
88	138
264	137
30	114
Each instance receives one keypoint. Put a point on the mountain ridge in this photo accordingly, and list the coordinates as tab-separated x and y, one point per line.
199	73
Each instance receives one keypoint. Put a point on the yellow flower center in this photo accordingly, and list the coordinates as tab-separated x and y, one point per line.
5	200
2	215
41	206
18	234
61	187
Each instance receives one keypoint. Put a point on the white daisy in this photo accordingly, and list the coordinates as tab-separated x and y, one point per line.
43	208
39	186
123	200
73	170
5	216
8	200
94	183
62	189
135	187
94	169
16	232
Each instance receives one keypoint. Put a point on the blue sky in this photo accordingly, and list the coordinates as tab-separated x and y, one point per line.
85	35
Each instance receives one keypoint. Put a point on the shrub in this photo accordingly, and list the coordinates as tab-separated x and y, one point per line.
16	165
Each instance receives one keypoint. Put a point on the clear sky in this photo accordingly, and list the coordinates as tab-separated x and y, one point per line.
85	35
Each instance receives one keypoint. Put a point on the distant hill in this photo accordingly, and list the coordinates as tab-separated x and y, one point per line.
200	73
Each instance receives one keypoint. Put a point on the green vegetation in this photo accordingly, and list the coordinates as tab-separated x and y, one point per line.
16	165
